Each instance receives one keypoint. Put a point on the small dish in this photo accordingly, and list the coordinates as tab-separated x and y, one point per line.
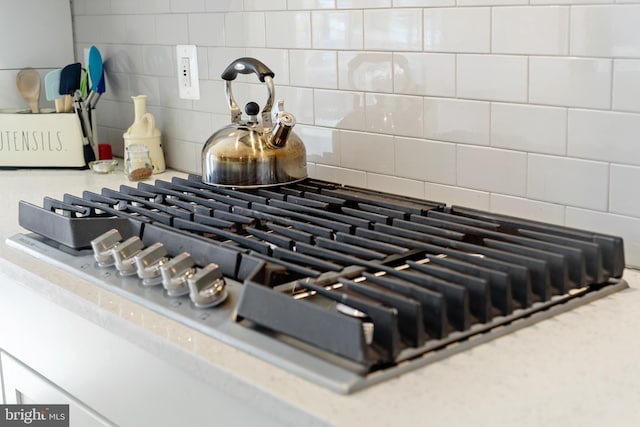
103	166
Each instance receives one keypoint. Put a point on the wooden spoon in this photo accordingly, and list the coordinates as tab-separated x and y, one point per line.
28	83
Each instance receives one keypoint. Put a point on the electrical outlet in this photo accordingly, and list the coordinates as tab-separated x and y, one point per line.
188	83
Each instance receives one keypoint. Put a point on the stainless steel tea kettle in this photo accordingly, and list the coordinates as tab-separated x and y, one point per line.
254	152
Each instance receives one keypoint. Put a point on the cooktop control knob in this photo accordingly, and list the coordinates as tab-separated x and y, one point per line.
102	247
175	273
148	263
124	255
207	287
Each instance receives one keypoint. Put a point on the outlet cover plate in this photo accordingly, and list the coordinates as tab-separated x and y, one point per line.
187	69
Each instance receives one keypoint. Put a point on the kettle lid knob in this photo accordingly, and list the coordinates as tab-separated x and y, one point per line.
252	108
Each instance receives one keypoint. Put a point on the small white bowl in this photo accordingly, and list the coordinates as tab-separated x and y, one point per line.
103	166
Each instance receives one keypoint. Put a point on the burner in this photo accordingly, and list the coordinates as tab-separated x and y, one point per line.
354	284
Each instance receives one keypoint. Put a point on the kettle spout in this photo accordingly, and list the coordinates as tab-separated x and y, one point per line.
284	124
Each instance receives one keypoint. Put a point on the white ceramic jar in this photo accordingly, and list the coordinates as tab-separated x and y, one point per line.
143	131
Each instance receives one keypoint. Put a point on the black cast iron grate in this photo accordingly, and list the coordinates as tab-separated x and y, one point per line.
364	279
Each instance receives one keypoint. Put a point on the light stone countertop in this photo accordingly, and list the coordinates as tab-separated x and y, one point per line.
579	368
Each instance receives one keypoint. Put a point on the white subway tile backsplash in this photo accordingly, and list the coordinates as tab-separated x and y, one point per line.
95	7
457	120
529	128
321	144
525	208
146	85
140	29
159	114
618	225
241	29
223	6
431	74
352	145
112	137
394	114
571	82
117	87
362	4
490	169
604	135
393	29
218	121
311	170
423	3
491	2
616	27
425	160
393	184
109	115
339	29
172	29
255	91
288	29
531	30
121	59
182	6
319	68
625	190
457	29
140	6
626	85
365	71
276	59
78	8
208	29
573	182
100	29
569	2
339	175
298	101
202	56
310	4
339	109
211	98
218	58
257	5
169	94
493	77
192	126
457	196
182	155
159	61
526	107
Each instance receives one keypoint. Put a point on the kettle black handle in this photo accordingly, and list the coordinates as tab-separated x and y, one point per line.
246	66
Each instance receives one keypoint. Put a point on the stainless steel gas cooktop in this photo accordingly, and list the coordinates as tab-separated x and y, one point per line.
343	286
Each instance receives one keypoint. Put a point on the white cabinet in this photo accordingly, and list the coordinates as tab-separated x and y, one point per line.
112	372
21	385
33	33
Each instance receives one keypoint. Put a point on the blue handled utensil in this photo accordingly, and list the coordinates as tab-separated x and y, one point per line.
69	83
70	86
96	74
52	88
